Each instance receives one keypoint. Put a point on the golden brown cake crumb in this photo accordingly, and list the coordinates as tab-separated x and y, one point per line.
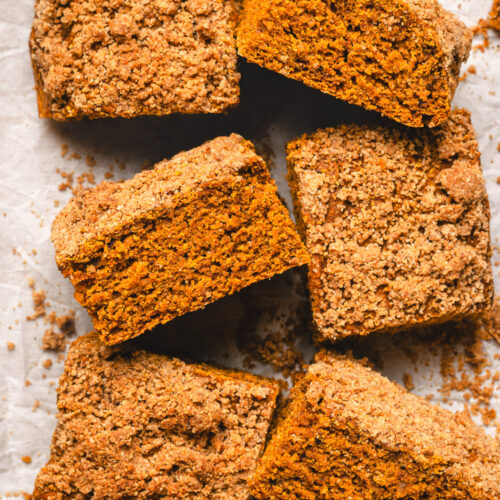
47	364
26	459
38	303
349	432
53	341
399	57
11	346
397	225
141	425
133	57
173	239
494	19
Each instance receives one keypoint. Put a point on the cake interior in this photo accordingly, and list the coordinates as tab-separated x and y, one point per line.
312	455
206	245
380	55
141	425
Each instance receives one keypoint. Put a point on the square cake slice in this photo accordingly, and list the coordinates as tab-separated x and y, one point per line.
400	58
396	222
349	432
142	425
134	57
171	240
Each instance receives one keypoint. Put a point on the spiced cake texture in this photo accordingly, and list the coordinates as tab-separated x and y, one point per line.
349	432
134	57
142	425
396	222
171	240
398	57
494	18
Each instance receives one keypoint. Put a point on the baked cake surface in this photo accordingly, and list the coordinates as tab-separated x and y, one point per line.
398	57
196	228
110	58
396	222
349	432
142	425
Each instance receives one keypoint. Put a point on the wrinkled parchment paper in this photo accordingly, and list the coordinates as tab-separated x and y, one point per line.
273	110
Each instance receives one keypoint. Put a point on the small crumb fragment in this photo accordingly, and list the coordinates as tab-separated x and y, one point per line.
408	382
11	346
26	459
66	323
53	341
47	364
38	304
90	160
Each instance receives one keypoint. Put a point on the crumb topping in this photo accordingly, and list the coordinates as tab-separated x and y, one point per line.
102	210
348	432
396	223
138	424
134	57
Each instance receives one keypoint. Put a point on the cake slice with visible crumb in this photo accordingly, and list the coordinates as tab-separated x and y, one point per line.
142	425
171	240
396	222
494	18
134	57
398	57
349	432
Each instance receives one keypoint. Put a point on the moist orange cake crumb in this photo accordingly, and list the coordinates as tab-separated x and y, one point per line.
398	57
173	239
349	432
142	425
494	19
396	222
109	58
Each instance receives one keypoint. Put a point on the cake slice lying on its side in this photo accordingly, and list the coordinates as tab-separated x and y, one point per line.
349	432
171	240
398	57
127	58
141	425
396	222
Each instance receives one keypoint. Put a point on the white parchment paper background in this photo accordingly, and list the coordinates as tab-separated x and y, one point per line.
273	110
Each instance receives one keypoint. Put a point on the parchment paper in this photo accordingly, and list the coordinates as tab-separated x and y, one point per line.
273	110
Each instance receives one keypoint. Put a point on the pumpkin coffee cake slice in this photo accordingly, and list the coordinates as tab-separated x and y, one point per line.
94	58
349	432
142	425
171	240
396	221
398	57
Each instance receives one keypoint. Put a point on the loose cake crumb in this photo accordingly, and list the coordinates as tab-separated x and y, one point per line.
408	382
11	346
26	459
47	364
53	341
90	160
38	303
